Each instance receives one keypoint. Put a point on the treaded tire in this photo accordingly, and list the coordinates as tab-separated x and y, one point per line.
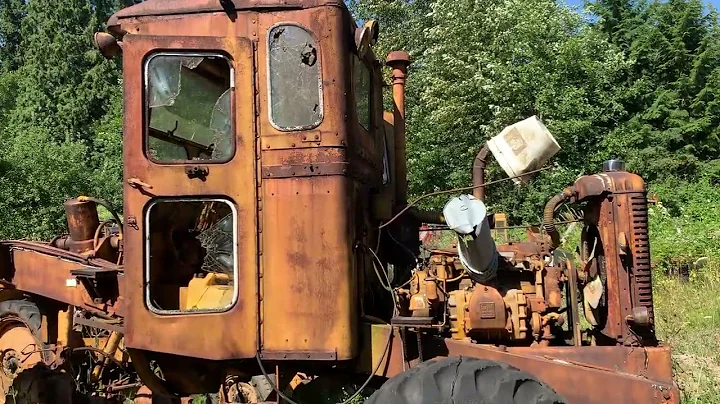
464	380
25	310
29	313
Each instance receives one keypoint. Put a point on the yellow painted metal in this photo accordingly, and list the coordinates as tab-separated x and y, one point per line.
214	291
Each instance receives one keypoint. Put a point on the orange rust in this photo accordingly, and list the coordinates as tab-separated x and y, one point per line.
145	330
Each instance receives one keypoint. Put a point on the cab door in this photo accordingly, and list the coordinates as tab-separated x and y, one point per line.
189	196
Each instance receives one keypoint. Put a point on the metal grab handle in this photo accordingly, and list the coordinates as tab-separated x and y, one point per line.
137	183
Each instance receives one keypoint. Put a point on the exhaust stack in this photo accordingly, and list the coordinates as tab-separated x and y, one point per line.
399	62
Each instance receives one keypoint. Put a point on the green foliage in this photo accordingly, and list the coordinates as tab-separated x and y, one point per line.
685	224
60	113
11	15
632	79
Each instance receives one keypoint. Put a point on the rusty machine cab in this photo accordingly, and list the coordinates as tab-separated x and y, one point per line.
254	137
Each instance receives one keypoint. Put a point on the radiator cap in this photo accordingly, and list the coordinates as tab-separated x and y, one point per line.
613	165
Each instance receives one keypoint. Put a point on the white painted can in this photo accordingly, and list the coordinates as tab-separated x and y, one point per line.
522	147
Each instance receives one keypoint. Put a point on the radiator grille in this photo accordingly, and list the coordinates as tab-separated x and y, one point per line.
642	286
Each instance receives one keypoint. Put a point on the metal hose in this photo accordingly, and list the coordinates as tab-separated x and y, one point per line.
549	214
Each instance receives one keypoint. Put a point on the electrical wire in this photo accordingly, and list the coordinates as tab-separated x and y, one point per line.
519	226
377	273
412	254
455	190
382	358
351	398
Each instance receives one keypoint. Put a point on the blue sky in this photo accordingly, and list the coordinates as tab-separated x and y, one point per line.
715	3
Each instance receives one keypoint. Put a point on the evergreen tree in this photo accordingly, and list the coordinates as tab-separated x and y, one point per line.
60	120
11	15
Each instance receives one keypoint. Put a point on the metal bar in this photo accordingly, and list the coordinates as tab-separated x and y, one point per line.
573	304
299	355
99	324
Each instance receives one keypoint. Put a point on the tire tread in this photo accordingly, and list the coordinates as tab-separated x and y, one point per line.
464	380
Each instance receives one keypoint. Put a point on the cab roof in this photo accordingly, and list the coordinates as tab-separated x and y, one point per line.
175	7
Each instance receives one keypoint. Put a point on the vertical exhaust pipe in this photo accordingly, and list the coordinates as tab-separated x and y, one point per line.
478	173
399	62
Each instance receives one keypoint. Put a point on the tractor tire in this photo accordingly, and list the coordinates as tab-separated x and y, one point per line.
464	380
24	374
25	310
28	313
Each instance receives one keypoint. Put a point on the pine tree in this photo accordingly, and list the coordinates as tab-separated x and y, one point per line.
61	132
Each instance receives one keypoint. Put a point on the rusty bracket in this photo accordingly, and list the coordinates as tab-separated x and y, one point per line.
305	170
199	172
299	355
97	324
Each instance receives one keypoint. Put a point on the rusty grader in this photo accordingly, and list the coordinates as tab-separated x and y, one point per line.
267	251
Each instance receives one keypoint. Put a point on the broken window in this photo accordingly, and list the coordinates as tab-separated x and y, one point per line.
363	92
191	255
294	78
188	99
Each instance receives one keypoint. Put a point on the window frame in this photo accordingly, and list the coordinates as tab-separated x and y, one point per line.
146	101
321	90
147	270
370	93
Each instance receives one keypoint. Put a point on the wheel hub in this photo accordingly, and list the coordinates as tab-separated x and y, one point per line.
11	363
19	352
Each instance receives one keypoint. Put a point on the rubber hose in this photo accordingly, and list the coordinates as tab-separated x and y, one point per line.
549	215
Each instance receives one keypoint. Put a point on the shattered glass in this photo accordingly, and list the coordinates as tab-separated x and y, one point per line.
221	125
189	240
189	108
295	86
164	78
218	244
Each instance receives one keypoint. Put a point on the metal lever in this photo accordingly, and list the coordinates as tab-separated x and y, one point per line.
138	184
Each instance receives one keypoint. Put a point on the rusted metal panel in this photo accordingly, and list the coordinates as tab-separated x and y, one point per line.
305	170
580	374
220	335
165	7
308	224
47	276
308	271
587	380
376	354
629	284
651	362
299	355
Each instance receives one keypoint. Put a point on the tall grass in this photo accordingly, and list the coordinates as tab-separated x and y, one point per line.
685	226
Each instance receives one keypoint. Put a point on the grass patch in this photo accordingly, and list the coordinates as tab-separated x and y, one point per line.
688	319
685	226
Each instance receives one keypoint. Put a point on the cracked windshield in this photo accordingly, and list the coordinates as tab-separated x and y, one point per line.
188	100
